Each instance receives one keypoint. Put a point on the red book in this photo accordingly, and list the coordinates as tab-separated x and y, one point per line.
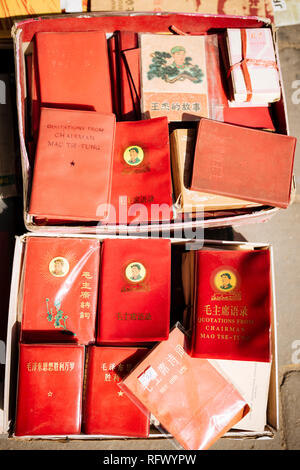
73	70
259	118
232	305
73	165
49	390
114	413
141	183
245	163
188	396
112	57
134	294
128	42
63	274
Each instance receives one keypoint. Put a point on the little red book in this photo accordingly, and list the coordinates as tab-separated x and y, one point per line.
189	397
49	397
232	305
60	290
73	70
107	410
73	165
244	163
141	182
134	292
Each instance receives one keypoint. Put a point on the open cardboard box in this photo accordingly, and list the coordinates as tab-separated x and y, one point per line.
23	34
13	334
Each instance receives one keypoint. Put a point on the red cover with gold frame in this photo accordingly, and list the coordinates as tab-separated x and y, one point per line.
188	396
134	292
60	289
107	410
50	382
232	305
141	181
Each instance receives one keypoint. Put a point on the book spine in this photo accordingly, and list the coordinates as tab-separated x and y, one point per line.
84	388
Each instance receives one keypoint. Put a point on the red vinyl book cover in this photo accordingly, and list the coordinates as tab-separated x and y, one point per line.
50	383
232	305
73	70
141	182
188	396
134	293
107	410
63	275
73	165
245	163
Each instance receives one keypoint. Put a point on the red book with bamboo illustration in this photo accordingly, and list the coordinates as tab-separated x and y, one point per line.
60	289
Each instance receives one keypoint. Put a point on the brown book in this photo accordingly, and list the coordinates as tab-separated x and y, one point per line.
182	143
244	163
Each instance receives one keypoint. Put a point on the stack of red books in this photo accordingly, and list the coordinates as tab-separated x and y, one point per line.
74	317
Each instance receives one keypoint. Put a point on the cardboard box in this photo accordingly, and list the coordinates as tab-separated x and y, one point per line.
23	33
11	10
14	331
261	8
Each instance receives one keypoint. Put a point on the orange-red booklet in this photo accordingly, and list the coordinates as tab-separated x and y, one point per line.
73	70
73	165
188	396
60	290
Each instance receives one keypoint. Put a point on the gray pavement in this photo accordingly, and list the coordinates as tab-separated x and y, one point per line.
283	232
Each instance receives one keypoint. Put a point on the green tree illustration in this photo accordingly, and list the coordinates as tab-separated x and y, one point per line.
170	73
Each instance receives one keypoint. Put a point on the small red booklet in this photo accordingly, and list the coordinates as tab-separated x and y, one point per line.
73	70
134	293
245	163
63	275
141	182
107	410
188	396
73	165
49	390
232	305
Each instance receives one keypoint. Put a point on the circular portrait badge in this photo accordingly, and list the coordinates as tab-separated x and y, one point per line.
59	267
133	155
135	272
225	280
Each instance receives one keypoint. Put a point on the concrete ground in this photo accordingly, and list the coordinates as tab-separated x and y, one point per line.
283	232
